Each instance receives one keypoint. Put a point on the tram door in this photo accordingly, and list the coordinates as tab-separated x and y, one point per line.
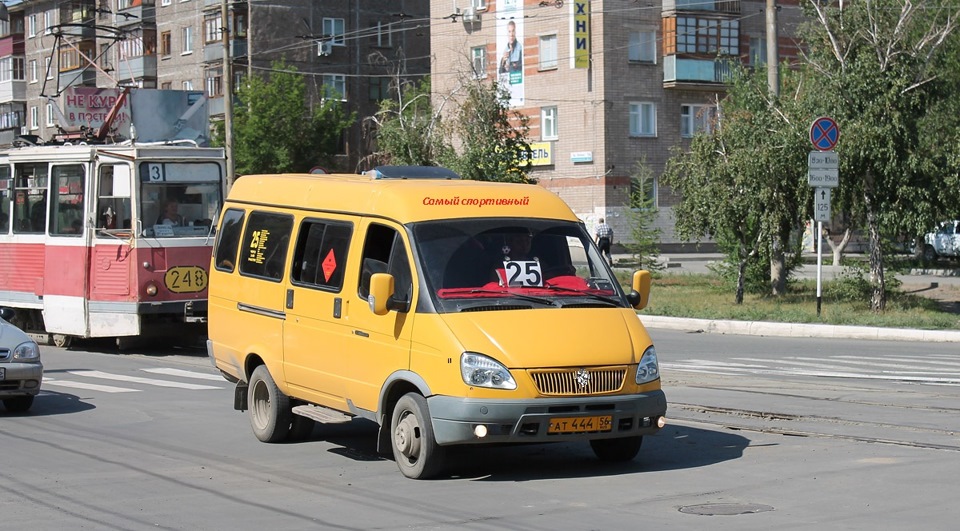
67	252
111	292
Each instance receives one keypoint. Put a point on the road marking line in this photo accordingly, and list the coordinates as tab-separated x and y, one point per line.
186	374
137	379
87	386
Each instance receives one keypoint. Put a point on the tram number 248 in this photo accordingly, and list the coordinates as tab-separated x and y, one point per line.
185	279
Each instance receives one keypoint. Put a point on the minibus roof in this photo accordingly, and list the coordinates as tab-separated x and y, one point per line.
404	199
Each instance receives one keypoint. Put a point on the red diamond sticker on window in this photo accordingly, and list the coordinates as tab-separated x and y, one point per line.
329	266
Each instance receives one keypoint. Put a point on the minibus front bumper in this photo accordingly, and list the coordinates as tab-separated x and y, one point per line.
483	421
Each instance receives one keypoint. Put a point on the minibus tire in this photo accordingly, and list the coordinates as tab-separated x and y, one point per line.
270	413
300	428
617	450
415	448
18	404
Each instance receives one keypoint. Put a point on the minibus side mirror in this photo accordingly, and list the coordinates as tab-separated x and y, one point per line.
640	295
381	289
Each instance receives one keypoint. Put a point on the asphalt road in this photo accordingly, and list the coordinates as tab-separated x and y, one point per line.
765	433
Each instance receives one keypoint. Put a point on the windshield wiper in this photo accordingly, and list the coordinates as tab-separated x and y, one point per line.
608	300
505	293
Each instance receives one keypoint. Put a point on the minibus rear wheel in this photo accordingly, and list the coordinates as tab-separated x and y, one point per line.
270	413
414	446
617	450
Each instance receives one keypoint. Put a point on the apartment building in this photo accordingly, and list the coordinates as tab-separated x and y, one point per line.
351	50
606	83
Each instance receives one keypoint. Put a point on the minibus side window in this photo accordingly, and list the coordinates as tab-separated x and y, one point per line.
228	240
384	252
265	243
321	254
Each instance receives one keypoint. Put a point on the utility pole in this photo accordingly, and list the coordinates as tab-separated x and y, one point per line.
773	55
227	90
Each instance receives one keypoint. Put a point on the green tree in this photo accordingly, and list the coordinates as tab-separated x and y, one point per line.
409	131
645	236
493	138
875	68
274	129
744	183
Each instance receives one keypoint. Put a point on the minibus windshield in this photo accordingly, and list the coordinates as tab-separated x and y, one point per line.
530	262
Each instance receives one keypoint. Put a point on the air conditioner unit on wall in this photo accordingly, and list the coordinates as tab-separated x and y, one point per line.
470	14
324	48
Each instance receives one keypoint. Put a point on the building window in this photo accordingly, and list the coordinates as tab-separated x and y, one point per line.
50	120
333	29
187	85
383	35
186	40
335	87
11	68
758	51
696	118
71	58
166	44
642	47
164	2
211	28
139	43
549	129
34	118
706	36
643	119
479	56
479	5
49	19
166	85
379	88
548	52
214	77
32	26
34	71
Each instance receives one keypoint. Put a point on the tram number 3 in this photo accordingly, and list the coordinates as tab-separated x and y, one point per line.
185	279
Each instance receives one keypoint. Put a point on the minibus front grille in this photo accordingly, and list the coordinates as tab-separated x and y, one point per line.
580	381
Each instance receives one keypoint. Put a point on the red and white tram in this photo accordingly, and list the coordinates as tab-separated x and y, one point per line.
108	240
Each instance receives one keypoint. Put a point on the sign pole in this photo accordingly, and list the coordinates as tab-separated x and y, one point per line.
819	264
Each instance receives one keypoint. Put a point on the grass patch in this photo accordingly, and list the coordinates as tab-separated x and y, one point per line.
843	303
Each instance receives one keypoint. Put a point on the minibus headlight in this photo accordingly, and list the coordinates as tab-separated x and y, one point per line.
649	369
483	371
27	351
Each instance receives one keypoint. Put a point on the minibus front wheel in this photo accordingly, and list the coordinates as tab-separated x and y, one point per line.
414	446
270	414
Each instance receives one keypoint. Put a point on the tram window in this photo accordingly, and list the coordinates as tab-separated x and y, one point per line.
66	219
30	198
113	197
5	188
196	188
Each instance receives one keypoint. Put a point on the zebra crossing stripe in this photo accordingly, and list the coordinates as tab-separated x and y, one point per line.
88	386
186	374
137	379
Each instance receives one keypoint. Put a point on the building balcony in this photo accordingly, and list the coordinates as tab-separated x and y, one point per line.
215	106
136	16
213	52
11	91
681	72
12	45
78	77
144	66
207	4
714	6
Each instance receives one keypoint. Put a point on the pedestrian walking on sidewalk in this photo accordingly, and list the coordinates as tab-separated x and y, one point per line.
604	238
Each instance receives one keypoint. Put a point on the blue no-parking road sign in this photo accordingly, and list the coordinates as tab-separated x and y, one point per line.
824	133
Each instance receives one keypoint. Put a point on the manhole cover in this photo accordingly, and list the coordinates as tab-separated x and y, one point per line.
725	509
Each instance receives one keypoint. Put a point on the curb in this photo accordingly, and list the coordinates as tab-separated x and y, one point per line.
757	328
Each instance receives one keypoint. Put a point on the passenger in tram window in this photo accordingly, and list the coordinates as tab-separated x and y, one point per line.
108	219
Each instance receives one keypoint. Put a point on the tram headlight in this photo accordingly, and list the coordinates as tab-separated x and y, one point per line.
151	289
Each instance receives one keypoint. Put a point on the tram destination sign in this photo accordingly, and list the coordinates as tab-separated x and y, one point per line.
823	169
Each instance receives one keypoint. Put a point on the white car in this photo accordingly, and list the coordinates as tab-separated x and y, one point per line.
945	241
20	369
